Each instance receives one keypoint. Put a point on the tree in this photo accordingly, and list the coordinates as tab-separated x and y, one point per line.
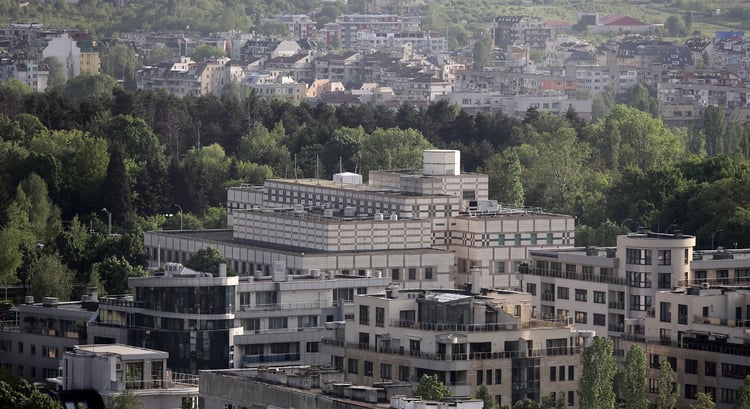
674	26
117	197
669	391
120	62
596	387
87	85
482	53
393	149
20	394
125	400
484	395
57	73
705	401
158	55
714	129
743	395
633	385
688	19
505	173
49	277
203	52
560	166
113	272
206	260
550	402
430	388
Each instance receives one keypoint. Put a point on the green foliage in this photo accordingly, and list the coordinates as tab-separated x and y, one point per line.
675	26
203	52
482	53
430	388
57	74
743	395
484	395
393	149
633	384
125	400
88	85
705	401
49	277
668	390
596	389
206	260
505	173
113	273
20	394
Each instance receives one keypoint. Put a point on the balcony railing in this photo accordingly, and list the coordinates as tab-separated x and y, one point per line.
699	319
544	272
537	352
617	305
492	327
715	281
548	297
179	380
285	306
270	358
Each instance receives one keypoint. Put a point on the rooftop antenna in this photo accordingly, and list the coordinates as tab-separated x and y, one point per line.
341	177
295	167
317	176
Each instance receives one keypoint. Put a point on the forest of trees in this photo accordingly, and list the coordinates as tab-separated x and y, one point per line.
75	150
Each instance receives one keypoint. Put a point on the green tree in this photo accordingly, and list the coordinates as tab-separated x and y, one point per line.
551	402
22	395
484	395
158	55
560	166
596	386
668	389
482	53
393	149
633	385
688	19
272	28
430	388
266	147
125	400
714	129
113	273
206	260
49	277
203	52
119	62
640	97
57	73
705	401
118	198
44	217
505	177
88	85
674	26
743	395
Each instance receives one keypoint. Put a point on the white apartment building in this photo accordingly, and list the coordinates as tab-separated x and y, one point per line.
111	369
466	338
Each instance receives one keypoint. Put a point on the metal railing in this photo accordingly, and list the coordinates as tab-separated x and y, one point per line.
699	319
494	327
285	306
269	358
719	281
616	305
545	272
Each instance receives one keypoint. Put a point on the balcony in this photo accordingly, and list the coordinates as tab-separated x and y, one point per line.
714	281
543	272
548	297
699	319
269	358
494	327
284	306
616	305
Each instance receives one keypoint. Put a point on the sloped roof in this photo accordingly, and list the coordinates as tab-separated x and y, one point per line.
621	21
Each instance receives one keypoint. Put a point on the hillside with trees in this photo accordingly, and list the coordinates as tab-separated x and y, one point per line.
154	160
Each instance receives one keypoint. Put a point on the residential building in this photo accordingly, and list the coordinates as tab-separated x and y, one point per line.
273	85
190	315
615	24
299	25
187	77
24	68
466	338
65	50
348	25
111	369
520	30
345	68
35	335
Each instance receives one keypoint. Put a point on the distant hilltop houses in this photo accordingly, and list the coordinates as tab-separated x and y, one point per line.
384	57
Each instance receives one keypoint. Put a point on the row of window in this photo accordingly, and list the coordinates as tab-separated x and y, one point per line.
644	257
47	351
558	373
352	367
411	274
533	239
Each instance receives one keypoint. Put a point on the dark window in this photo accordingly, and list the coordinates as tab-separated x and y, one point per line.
428	273
480	377
571	398
364	315
412	274
395	274
600	297
571	372
665	313
368	368
710	368
691	366
581	295
690	391
581	317
352	366
403	373
552	374
600	319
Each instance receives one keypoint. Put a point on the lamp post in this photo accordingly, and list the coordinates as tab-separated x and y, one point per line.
713	235
109	220
624	222
180	209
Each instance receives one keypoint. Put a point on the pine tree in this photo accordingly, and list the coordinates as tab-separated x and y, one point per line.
117	193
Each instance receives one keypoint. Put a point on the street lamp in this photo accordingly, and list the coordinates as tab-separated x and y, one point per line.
109	220
624	222
180	208
713	235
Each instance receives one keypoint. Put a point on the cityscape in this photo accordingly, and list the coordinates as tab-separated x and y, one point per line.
358	211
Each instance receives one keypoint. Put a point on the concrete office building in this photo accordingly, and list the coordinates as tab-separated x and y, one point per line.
113	369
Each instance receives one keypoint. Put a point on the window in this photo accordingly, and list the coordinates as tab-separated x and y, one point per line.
20	347
531	288
277	323
552	374
563	293
312	347
266	297
699	276
352	366
561	372
480	377
664	257
654	361
47	351
403	373
638	256
533	238
638	279
690	391
691	366
672	362
368	368
395	274
412	274
307	321
550	238
6	345
664	280
653	386
728	395
665	313
501	240
571	398
500	267
682	314
581	317
571	372
517	239
600	319
600	297
581	295
414	345
685	261
379	317
33	349
385	371
710	391
428	275
364	315
498	376
710	367
488	375
251	324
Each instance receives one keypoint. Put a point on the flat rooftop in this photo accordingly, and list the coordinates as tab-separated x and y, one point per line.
124	351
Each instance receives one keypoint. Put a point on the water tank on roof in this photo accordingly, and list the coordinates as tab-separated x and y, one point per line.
441	162
348	177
